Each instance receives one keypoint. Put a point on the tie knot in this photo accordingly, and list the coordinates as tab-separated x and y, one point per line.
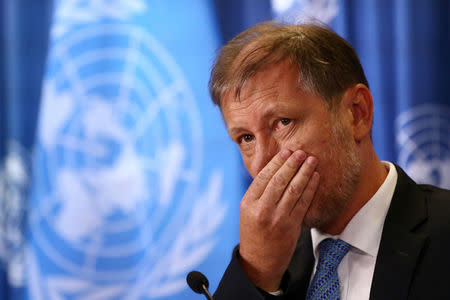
331	252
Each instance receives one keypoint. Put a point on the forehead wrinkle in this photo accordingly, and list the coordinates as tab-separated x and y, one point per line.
252	96
272	76
260	98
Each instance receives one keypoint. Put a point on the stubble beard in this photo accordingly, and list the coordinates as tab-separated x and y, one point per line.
335	191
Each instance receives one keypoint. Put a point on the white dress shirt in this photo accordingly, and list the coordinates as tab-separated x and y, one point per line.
363	233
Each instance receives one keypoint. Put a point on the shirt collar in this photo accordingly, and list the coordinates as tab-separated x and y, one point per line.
363	232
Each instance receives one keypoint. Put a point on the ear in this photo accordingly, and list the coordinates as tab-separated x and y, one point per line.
358	103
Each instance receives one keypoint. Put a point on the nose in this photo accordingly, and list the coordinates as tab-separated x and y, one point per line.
264	152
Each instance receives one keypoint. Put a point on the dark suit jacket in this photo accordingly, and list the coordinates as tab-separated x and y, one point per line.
413	260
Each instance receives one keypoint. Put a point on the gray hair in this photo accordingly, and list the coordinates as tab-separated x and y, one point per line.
327	64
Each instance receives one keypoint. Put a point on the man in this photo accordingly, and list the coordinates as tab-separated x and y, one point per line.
324	218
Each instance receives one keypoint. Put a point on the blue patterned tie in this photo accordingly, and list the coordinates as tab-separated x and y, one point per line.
325	284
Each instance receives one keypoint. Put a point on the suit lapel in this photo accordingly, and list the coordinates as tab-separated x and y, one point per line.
300	268
400	245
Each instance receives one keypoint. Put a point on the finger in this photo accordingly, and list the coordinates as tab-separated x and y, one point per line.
261	180
281	179
297	185
303	203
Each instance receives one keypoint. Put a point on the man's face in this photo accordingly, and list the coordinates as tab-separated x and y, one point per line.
272	114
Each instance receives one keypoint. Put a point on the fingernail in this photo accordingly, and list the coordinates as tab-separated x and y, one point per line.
300	155
285	154
311	160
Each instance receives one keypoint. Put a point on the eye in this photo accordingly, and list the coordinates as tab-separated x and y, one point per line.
285	121
245	138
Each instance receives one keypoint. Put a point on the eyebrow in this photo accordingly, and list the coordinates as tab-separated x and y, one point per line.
269	111
236	131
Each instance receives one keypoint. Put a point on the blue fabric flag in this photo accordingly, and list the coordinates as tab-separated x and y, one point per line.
23	47
129	180
134	177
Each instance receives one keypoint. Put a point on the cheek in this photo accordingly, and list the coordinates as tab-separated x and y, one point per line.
297	141
319	141
310	143
321	147
304	137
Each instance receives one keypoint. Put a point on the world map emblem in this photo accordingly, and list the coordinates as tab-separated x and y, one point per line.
124	195
14	181
301	11
423	138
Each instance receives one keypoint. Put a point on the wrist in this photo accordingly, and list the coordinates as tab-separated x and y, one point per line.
268	280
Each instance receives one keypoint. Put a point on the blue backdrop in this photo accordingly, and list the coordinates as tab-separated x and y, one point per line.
116	174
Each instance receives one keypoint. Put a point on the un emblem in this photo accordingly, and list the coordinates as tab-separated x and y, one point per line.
300	11
14	181
125	209
423	137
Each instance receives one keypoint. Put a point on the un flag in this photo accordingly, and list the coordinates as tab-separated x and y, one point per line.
129	191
